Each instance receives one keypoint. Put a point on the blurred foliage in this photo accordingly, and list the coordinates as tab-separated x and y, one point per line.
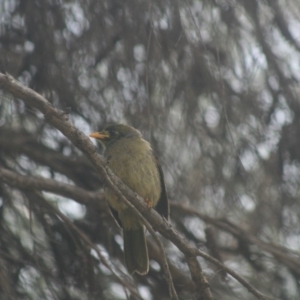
213	85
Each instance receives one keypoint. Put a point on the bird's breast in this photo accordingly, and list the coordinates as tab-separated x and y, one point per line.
136	166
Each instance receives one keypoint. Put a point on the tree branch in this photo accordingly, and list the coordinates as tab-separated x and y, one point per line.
36	182
59	120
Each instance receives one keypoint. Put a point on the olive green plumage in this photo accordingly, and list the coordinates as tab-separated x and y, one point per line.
131	158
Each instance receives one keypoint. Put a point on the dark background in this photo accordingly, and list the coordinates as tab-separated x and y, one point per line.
213	85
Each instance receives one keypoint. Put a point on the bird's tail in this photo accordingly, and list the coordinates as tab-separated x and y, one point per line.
135	251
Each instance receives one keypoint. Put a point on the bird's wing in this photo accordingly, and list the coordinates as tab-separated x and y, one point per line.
162	206
115	215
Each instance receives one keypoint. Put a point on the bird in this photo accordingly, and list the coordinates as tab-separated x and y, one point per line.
132	159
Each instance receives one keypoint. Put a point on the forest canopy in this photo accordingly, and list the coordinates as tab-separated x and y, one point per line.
212	85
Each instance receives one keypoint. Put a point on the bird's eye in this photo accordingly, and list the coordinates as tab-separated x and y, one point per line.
114	133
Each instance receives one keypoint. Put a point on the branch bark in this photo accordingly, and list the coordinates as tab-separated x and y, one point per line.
59	120
35	182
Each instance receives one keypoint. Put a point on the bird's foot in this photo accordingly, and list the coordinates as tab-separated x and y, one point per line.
149	203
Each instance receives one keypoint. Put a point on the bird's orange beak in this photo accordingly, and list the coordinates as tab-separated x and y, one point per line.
103	135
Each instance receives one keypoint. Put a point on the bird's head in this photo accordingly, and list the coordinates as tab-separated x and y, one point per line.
115	132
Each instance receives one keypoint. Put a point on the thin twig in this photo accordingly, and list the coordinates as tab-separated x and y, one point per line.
88	242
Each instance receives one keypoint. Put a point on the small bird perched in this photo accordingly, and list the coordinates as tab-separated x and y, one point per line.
132	159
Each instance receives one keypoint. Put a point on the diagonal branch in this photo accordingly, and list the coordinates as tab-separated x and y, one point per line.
59	120
49	185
